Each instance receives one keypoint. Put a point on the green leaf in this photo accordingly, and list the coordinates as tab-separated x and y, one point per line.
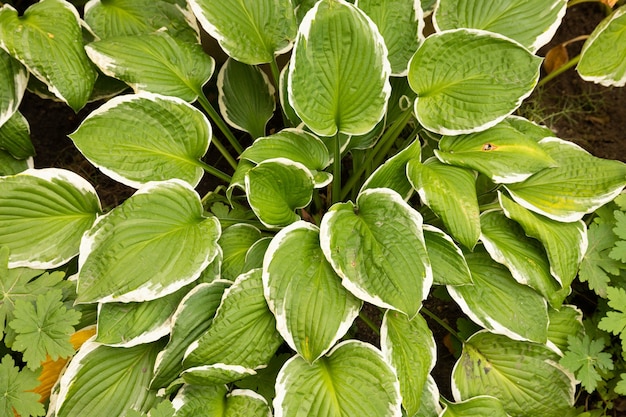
501	152
498	303
235	242
392	174
509	370
215	374
131	324
401	23
446	258
585	358
43	328
409	346
596	264
155	62
579	185
378	250
615	321
43	214
353	380
566	322
137	138
111	18
250	31
105	380
264	380
163	409
48	41
13	80
129	244
216	401
18	284
565	243
334	85
451	193
15	390
276	187
530	22
11	166
482	82
620	388
294	144
599	61
15	137
312	309
479	406
246	97
618	253
191	319
525	258
243	332
254	255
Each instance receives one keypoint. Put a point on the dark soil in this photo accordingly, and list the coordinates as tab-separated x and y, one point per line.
590	115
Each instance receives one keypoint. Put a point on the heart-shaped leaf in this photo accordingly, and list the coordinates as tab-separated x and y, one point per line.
43	214
401	23
498	303
565	243
451	193
137	138
13	80
353	380
377	248
530	22
598	61
276	187
250	31
153	244
409	346
193	317
243	332
578	185
507	244
246	97
98	374
312	309
482	82
48	40
334	85
507	369
155	62
111	18
502	153
294	144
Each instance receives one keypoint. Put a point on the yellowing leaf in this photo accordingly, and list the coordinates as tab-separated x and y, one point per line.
555	58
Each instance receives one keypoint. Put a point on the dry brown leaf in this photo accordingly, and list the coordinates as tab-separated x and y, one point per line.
555	58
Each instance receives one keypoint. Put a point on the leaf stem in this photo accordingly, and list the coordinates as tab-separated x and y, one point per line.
569	64
215	172
443	324
336	194
385	143
369	323
217	119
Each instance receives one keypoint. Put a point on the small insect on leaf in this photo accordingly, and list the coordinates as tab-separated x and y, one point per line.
489	147
555	58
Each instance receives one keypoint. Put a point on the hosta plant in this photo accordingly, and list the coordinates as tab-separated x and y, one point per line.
365	163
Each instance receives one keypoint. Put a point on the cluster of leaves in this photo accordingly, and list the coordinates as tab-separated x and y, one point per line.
398	167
